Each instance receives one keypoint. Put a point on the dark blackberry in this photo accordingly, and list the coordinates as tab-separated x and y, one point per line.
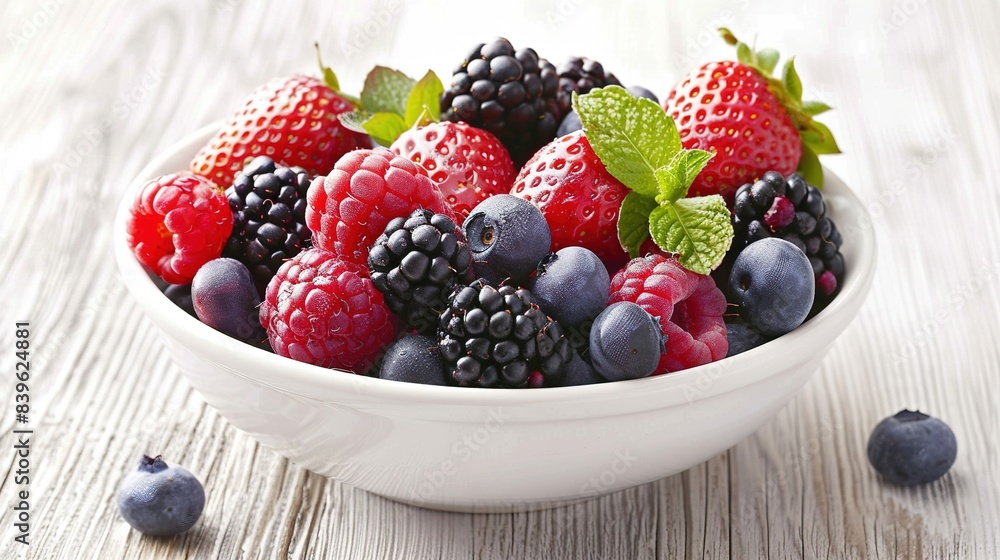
269	217
416	262
581	75
511	93
499	337
795	211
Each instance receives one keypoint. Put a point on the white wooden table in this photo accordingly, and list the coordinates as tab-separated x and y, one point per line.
91	90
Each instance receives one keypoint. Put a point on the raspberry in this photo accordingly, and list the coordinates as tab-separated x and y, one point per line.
467	164
321	310
689	305
178	223
349	208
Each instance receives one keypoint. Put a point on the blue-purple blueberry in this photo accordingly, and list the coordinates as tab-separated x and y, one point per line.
159	500
912	448
579	372
642	92
508	237
571	285
570	123
225	298
626	342
414	358
741	338
773	284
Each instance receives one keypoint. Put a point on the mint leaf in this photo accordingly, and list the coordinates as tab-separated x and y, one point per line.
385	127
675	177
698	230
632	137
425	95
633	222
810	167
386	90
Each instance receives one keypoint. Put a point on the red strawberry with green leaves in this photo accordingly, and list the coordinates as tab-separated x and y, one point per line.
752	121
292	120
622	180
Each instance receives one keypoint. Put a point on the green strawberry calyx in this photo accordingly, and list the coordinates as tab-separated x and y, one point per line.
392	102
816	137
638	143
330	79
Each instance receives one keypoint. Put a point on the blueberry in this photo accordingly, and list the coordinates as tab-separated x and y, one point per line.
742	338
772	282
570	123
414	358
912	448
508	237
640	91
579	372
180	294
571	285
160	500
626	342
225	298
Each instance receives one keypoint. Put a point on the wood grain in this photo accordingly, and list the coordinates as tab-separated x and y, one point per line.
92	90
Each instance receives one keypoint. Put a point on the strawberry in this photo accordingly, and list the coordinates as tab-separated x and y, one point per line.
752	121
466	163
291	120
577	195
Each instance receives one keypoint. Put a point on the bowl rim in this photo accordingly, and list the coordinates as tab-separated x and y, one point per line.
306	380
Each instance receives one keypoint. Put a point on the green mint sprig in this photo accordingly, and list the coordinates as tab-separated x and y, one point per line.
392	102
639	145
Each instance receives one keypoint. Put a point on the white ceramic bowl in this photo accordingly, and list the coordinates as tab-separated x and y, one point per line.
467	449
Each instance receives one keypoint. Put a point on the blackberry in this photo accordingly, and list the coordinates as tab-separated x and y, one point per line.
581	75
499	337
269	217
416	262
794	211
511	93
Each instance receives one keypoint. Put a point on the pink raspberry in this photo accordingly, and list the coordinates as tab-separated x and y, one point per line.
321	310
178	223
349	208
689	305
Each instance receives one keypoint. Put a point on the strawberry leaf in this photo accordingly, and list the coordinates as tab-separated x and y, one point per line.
354	120
633	222
425	96
790	78
767	59
385	91
675	177
810	168
385	127
819	138
698	230
813	108
632	137
331	81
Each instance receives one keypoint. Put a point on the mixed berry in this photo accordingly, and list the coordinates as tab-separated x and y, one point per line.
523	227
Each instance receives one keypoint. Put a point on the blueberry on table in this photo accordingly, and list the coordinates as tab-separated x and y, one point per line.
912	448
772	282
159	500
